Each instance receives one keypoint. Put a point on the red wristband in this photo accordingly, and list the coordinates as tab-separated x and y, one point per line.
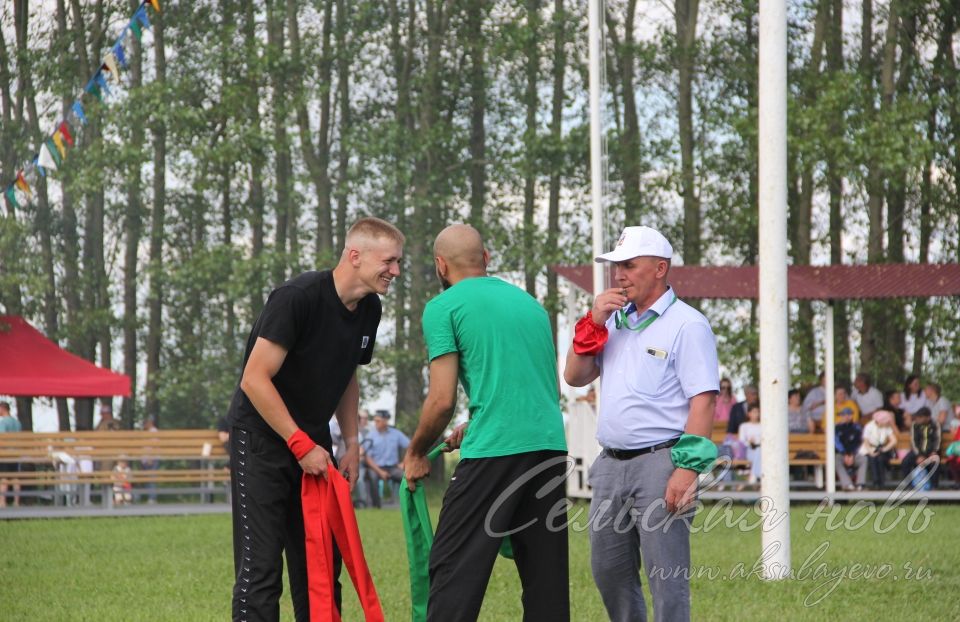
300	444
588	337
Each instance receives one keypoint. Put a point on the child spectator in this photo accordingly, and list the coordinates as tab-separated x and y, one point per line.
924	443
122	489
849	437
749	435
879	445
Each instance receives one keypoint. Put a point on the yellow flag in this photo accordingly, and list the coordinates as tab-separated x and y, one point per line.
58	141
156	5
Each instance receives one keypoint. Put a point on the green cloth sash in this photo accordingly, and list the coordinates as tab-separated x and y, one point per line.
418	531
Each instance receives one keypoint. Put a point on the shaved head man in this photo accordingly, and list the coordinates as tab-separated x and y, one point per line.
496	339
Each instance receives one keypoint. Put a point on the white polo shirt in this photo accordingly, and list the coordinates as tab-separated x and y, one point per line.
648	376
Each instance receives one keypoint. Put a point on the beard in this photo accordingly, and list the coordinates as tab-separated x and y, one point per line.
444	283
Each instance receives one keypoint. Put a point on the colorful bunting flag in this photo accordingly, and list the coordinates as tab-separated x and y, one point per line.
12	197
52	150
46	158
77	109
102	83
22	184
141	16
65	130
58	141
119	53
110	64
94	90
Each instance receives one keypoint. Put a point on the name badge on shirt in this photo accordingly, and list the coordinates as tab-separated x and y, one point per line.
657	353
364	342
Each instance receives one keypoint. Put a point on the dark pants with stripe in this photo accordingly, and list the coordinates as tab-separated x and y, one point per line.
488	497
268	524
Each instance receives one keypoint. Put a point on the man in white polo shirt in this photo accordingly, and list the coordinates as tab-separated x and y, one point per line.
657	360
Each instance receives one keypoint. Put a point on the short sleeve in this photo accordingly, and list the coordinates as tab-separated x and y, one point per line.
284	316
438	330
697	365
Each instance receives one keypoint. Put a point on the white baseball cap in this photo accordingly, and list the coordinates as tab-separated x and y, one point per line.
638	242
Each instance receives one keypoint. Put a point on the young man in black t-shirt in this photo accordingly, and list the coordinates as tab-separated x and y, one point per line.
299	369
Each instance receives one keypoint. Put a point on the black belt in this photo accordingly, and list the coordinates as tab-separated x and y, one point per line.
627	454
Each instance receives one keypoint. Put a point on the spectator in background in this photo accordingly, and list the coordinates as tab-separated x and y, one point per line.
122	488
842	401
879	445
868	397
8	423
924	443
150	464
749	434
913	398
940	407
223	433
798	422
362	497
107	422
848	439
738	412
725	401
815	402
387	445
892	400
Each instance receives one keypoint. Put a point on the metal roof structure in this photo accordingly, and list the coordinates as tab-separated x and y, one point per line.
804	282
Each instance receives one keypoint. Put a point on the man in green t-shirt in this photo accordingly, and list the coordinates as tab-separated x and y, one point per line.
496	339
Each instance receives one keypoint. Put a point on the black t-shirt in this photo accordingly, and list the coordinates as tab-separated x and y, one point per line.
325	342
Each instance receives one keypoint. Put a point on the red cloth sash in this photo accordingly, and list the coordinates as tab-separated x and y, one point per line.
328	516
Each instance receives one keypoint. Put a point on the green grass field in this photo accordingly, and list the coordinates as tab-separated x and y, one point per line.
179	568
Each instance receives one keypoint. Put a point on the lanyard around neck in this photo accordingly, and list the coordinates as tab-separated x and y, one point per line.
622	319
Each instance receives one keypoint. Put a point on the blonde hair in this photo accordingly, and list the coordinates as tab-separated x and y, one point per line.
373	228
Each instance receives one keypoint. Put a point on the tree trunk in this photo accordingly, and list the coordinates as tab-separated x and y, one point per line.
476	44
255	193
157	220
283	168
686	23
133	226
835	190
552	302
343	86
530	101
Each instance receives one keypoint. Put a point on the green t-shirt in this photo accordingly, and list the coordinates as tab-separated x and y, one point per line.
508	366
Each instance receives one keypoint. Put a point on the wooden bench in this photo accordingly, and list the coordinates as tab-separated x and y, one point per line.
803	450
68	466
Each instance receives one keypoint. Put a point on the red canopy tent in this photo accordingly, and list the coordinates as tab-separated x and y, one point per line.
31	365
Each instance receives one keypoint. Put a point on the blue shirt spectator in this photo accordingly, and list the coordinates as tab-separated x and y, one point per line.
385	442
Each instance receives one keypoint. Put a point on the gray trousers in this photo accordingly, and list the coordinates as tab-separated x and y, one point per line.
628	518
859	463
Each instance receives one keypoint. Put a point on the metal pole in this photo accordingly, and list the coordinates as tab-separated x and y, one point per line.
829	411
774	368
596	143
